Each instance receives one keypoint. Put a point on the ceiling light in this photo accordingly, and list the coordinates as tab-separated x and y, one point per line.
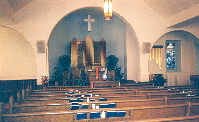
107	9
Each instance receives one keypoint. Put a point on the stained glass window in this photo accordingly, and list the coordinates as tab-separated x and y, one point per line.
173	55
170	56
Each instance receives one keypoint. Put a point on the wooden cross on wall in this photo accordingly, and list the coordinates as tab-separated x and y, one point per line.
89	20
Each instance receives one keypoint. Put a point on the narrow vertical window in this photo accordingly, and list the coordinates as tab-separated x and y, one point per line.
173	58
170	56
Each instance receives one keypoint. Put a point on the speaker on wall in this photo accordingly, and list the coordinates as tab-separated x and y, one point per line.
41	46
146	46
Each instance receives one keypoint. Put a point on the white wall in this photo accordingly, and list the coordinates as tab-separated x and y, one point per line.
132	55
17	59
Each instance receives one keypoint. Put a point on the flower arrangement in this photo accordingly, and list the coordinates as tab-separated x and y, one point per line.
157	79
151	77
44	79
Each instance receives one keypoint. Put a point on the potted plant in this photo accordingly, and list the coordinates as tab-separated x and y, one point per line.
111	62
64	65
57	76
112	67
118	74
64	62
82	82
157	79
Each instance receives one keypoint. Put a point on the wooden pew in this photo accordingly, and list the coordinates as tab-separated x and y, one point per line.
58	97
149	113
194	118
28	108
151	94
40	117
105	93
65	99
119	87
122	94
119	95
134	113
119	104
112	96
155	90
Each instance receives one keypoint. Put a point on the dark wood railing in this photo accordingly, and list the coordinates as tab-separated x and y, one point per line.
17	85
13	91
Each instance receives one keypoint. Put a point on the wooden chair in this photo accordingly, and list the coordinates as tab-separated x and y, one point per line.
67	81
75	75
111	75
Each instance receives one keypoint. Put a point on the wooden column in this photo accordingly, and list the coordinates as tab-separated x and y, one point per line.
188	110
27	90
148	95
135	92
23	94
31	87
11	103
19	97
46	86
165	100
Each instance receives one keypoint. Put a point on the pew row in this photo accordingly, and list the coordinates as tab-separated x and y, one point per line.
132	113
146	94
171	119
114	91
27	108
119	87
59	98
65	88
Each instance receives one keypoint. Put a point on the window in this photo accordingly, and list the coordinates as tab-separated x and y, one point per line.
173	55
170	56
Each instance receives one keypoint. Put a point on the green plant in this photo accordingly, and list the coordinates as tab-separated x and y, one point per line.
57	75
81	83
111	62
118	74
64	62
64	65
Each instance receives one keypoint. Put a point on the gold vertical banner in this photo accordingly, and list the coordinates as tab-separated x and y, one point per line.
89	50
156	55
103	53
74	53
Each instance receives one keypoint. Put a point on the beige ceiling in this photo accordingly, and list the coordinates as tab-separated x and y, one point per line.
18	4
168	8
165	8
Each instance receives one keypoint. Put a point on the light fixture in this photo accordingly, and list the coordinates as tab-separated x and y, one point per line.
107	9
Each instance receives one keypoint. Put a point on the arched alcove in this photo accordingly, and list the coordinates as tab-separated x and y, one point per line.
188	58
120	39
17	58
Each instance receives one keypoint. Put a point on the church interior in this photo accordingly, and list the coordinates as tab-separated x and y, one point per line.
99	60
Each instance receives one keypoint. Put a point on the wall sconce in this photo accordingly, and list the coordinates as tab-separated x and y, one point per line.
107	9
